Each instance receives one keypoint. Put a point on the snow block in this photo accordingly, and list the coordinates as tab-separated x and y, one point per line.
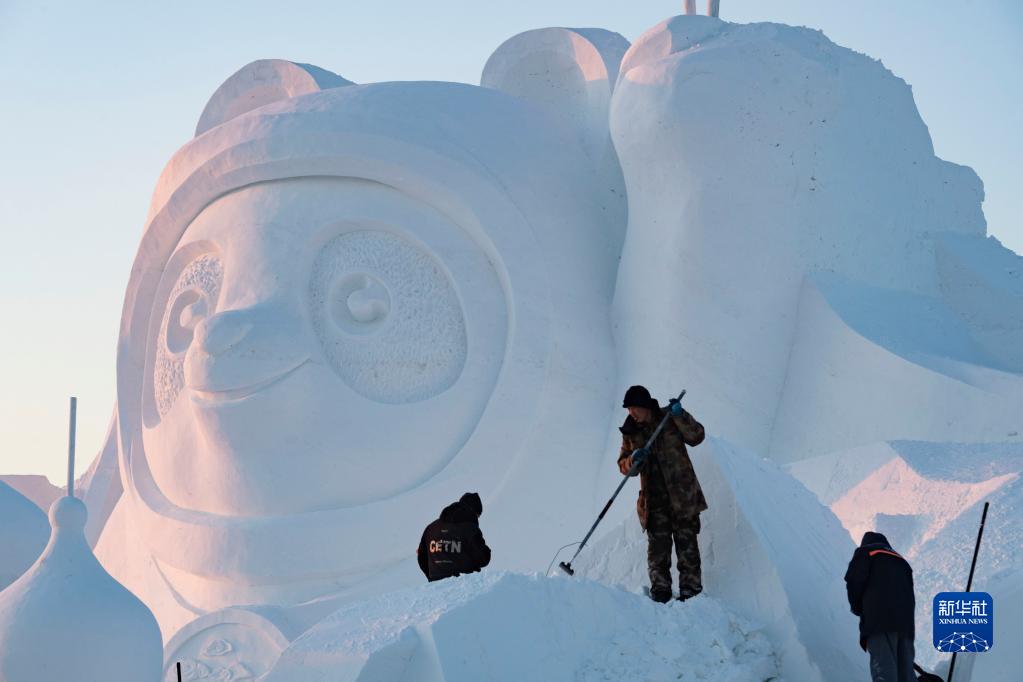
503	626
755	155
862	358
983	282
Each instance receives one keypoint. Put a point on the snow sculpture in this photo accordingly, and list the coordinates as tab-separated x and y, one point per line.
233	644
351	304
67	619
570	73
348	308
262	82
23	534
785	247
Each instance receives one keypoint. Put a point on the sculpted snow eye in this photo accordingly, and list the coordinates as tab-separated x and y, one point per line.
358	303
191	299
387	316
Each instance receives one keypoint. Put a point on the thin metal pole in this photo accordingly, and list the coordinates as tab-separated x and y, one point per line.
976	548
71	448
969	582
178	664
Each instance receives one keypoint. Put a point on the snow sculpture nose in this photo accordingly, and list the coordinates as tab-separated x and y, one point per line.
219	333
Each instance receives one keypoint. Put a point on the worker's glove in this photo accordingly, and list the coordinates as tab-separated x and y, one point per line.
638	457
675	407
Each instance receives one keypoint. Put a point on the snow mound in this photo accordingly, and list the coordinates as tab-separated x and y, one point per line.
509	626
35	487
23	534
770	551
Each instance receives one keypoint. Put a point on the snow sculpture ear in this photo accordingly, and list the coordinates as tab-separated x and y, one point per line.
262	82
570	72
669	37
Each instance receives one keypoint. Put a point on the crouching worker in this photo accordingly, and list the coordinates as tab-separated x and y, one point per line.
670	497
879	583
453	544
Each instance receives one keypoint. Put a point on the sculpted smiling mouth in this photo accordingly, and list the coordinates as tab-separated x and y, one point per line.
206	393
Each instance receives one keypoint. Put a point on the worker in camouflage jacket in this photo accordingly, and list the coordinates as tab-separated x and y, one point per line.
670	497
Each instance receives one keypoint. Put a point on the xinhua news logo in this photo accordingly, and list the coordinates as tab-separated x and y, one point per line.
963	622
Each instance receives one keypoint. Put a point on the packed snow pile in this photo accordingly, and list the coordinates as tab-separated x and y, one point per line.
770	551
508	626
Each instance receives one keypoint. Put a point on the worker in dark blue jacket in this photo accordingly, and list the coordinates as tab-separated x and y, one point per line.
879	582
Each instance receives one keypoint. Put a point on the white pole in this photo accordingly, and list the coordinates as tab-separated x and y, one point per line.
71	449
689	6
713	6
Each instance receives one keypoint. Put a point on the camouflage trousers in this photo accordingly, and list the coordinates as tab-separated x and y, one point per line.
661	532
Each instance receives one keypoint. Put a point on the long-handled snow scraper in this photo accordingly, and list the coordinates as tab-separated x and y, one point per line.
638	457
969	581
923	675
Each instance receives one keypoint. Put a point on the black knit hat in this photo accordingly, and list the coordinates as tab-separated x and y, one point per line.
638	396
473	502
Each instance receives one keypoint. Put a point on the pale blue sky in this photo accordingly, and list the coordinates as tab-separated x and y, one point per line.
98	96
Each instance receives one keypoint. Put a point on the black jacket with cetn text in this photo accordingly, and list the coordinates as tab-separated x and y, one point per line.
879	583
453	544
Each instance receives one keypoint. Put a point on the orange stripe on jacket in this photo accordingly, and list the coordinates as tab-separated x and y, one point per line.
885	551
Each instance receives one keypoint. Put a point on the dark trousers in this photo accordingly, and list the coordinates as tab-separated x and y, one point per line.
891	657
661	532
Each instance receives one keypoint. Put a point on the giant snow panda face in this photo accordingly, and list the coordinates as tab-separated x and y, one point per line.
317	343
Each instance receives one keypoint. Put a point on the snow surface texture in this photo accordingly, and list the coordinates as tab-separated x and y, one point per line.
67	619
770	552
500	626
291	412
